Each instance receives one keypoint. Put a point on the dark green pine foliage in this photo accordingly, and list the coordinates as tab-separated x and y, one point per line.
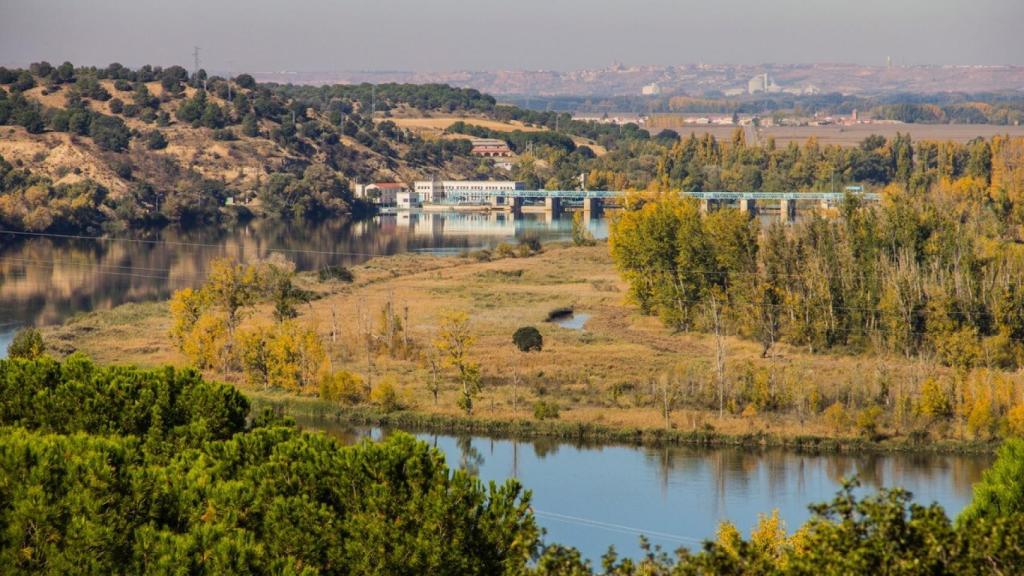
126	471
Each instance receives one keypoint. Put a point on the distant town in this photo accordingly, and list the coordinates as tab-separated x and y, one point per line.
890	76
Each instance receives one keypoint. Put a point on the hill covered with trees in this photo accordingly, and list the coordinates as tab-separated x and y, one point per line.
86	146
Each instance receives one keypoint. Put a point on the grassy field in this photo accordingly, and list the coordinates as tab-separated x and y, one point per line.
609	374
439	124
434	127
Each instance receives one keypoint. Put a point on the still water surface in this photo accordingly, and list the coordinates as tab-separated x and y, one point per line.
592	496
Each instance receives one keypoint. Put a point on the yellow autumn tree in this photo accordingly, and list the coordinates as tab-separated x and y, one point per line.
935	400
1015	421
768	538
206	343
453	344
186	305
296	355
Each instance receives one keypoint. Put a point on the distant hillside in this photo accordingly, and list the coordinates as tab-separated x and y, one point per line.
154	145
696	79
89	148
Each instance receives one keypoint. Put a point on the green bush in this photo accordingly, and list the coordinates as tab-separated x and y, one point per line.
109	133
155	140
545	410
528	339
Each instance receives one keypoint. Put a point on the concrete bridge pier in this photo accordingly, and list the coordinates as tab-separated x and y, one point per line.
787	210
515	205
749	206
592	207
707	205
553	206
497	201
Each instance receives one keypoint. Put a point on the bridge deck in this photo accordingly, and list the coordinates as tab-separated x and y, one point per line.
710	195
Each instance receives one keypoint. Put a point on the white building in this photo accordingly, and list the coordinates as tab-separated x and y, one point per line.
407	200
762	83
651	89
381	193
429	191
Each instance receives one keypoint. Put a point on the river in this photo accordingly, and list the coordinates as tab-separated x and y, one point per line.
585	496
593	496
46	280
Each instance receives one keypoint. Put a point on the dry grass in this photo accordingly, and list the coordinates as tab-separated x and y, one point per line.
601	375
434	128
435	124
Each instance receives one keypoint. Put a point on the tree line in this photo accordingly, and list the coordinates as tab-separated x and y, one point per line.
932	276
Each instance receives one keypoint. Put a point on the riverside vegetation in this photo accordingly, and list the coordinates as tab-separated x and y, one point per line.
125	471
368	350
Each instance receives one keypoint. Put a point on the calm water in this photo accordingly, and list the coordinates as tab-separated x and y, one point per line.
574	321
594	496
47	280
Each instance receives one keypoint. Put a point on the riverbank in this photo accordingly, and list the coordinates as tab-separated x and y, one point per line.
607	378
313	413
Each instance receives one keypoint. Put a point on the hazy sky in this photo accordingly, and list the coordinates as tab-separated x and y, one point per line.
325	35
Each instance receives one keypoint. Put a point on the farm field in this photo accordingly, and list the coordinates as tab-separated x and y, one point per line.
849	135
435	127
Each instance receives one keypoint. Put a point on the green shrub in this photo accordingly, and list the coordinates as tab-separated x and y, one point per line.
528	339
109	133
545	410
155	140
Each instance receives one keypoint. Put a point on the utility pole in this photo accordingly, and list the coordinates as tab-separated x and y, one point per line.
195	64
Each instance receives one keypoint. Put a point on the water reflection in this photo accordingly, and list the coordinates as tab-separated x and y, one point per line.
685	492
46	280
470	458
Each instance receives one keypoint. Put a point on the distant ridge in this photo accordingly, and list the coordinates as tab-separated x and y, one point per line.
621	80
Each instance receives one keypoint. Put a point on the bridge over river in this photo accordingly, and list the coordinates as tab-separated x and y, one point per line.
592	201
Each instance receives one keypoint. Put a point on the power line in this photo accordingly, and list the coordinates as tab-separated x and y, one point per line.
611	527
181	244
86	264
55	265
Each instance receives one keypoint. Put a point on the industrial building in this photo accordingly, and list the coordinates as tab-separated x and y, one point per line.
380	193
762	83
490	148
431	191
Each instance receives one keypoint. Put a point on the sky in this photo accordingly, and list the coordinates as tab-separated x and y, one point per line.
444	35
